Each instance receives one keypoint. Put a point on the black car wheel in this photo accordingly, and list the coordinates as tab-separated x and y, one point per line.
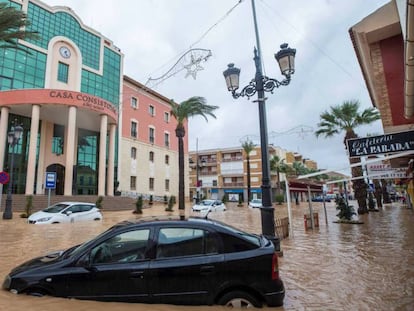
36	292
239	299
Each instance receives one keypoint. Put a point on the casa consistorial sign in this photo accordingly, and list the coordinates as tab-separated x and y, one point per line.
388	143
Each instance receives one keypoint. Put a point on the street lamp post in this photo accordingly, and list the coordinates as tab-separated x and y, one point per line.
13	138
260	85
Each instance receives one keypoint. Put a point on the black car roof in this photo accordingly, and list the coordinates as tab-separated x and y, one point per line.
162	219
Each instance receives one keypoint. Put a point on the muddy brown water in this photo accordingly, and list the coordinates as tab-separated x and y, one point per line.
333	267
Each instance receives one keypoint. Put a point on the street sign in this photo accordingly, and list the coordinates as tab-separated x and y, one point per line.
382	144
4	178
50	180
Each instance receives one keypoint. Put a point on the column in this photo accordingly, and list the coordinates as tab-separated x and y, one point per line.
40	189
31	161
70	150
111	160
4	120
102	155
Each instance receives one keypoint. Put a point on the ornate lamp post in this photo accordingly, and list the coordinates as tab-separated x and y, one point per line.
261	84
13	138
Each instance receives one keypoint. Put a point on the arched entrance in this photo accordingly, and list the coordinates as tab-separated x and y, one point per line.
59	169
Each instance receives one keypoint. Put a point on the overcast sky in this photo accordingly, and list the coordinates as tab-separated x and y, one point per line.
155	34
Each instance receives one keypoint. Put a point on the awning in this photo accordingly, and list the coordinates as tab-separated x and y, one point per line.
302	185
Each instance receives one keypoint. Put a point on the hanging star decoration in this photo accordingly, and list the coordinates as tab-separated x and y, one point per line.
190	61
194	66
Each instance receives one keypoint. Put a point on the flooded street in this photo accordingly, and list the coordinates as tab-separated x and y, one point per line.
333	267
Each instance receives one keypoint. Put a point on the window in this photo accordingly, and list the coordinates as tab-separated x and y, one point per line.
151	136
133	183
123	248
134	102
63	72
151	156
133	129
167	185
176	242
167	117
214	183
151	110
151	183
133	153
167	140
167	159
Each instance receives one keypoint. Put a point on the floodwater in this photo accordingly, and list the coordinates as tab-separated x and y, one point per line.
368	266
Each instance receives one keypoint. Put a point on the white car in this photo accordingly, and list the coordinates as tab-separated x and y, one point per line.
209	206
255	203
66	212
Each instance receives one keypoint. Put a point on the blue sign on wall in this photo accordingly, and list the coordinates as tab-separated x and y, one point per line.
50	180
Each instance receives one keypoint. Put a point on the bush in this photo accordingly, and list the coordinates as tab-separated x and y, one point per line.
345	211
28	208
171	202
138	205
165	200
151	200
279	198
98	202
225	198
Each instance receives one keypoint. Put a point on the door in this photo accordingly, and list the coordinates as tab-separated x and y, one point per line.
184	270
116	269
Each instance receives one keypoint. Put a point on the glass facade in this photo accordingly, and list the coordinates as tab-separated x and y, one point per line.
27	70
21	70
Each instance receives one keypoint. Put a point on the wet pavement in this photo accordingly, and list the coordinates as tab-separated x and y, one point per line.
333	267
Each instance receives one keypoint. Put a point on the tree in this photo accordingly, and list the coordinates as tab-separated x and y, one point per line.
299	168
345	118
13	23
278	165
248	146
194	106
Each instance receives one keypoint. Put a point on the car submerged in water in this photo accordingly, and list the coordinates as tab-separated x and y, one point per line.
209	205
66	212
190	261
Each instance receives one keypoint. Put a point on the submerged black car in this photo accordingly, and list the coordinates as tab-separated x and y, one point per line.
160	260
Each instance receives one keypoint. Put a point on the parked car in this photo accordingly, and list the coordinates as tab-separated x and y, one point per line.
255	203
65	212
160	260
209	206
320	198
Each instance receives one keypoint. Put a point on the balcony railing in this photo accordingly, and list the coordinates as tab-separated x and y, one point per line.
233	184
231	159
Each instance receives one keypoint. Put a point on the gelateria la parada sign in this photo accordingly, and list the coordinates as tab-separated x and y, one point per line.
388	143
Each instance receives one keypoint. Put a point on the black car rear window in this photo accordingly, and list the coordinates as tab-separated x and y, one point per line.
233	244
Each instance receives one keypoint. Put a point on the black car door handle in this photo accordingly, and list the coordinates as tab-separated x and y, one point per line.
205	270
137	274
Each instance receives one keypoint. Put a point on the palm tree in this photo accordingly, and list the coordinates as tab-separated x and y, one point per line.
248	147
194	106
345	118
13	23
278	165
299	168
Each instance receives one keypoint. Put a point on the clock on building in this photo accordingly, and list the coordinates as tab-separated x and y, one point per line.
64	51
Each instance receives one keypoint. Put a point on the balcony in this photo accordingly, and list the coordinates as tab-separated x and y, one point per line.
233	184
232	159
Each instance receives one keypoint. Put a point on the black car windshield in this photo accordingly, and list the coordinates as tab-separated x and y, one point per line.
82	247
55	208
